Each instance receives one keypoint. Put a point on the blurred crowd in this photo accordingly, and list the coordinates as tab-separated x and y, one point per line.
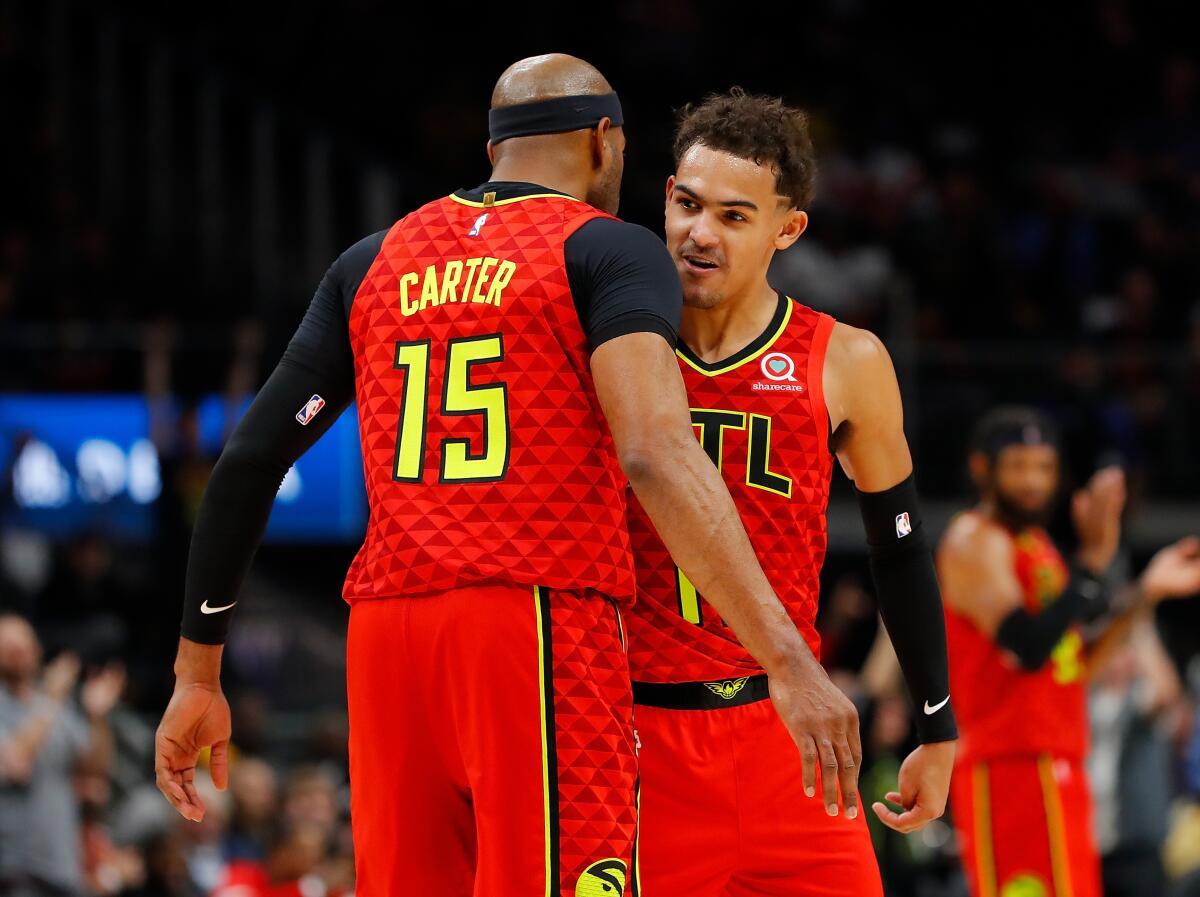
1016	228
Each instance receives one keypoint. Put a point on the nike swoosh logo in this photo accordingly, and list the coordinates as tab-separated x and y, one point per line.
205	609
930	711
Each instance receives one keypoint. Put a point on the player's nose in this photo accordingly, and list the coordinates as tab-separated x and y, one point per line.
703	234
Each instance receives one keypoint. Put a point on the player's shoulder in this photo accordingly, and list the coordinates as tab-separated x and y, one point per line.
973	537
604	239
855	346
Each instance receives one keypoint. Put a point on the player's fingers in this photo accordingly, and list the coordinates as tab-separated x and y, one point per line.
893	797
848	780
888	816
218	765
173	791
829	774
809	761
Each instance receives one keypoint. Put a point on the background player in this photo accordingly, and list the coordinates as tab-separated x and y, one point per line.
769	380
491	743
1019	660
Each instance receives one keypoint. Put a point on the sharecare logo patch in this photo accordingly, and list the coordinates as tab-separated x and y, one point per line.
310	410
903	525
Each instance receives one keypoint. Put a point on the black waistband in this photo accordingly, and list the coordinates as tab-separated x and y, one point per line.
702	695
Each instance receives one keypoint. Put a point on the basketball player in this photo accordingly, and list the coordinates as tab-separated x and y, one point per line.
511	351
1015	615
777	390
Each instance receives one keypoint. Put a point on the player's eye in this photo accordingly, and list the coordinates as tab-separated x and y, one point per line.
687	203
736	216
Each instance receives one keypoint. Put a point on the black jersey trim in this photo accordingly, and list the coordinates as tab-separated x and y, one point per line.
505	193
753	349
717	695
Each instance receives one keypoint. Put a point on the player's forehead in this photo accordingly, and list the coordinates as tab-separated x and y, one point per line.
714	175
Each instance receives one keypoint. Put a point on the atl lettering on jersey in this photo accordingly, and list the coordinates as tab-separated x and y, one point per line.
760	416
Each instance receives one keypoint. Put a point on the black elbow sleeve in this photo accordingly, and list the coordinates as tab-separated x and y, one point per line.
1031	638
910	603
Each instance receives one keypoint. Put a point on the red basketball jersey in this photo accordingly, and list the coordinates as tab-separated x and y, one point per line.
761	417
1003	710
485	453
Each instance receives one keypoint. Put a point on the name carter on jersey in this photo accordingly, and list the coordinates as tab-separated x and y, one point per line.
439	286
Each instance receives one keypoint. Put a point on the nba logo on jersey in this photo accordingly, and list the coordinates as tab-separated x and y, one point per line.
478	225
903	525
310	409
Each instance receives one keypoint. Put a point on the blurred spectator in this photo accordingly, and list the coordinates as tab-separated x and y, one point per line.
254	791
81	608
1132	700
44	740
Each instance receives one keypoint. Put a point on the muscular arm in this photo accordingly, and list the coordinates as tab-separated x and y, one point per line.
867	415
976	566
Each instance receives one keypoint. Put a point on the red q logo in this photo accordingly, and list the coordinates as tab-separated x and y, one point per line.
777	366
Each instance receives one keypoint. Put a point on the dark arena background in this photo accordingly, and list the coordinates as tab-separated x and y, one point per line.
1009	197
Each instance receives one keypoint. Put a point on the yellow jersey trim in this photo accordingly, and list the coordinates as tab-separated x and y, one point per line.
504	202
985	860
552	886
713	372
1059	861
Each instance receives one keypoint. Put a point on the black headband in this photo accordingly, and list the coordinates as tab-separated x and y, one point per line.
553	116
1026	433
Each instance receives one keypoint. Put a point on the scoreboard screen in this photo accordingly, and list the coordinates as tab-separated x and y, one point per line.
75	462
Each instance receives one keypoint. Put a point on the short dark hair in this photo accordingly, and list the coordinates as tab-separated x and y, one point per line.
763	129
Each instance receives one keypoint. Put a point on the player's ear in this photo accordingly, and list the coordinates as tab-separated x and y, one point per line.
794	225
491	151
979	467
670	188
600	145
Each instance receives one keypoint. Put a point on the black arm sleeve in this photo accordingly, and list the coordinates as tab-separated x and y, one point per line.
623	281
910	603
266	442
1032	637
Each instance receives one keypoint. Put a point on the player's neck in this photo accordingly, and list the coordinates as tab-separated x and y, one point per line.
724	330
531	171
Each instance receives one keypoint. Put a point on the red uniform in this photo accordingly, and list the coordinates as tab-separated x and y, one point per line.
1019	794
491	742
723	806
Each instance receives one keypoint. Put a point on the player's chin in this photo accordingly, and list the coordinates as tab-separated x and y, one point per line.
698	296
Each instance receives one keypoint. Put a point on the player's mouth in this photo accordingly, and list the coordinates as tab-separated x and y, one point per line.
699	264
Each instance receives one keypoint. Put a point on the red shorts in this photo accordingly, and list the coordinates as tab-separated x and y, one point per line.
491	744
1025	826
724	813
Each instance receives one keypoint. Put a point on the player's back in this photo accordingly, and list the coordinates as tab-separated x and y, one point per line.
1004	710
484	452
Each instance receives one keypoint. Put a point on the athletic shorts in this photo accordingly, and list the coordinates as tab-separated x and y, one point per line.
724	813
1025	826
491	745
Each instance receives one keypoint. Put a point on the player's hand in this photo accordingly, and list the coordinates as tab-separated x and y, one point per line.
924	785
1096	511
824	724
1173	572
197	717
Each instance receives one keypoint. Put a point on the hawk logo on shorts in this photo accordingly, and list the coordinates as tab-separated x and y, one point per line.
1024	885
605	878
728	688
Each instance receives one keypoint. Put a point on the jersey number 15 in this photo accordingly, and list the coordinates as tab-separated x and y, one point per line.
460	397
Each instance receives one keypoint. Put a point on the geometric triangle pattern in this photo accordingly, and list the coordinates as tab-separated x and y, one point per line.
594	738
781	383
556	517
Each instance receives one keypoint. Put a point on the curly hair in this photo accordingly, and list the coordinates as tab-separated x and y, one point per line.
760	128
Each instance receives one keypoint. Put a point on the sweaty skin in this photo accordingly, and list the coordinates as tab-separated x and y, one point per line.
724	223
